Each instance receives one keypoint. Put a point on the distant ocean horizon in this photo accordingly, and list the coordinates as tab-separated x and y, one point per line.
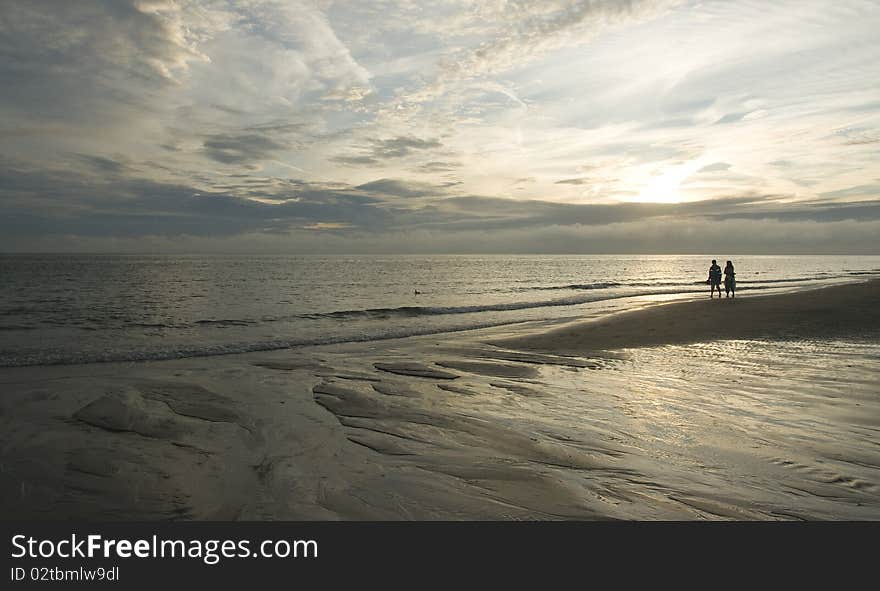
87	308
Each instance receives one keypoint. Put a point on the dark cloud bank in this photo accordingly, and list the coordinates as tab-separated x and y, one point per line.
57	210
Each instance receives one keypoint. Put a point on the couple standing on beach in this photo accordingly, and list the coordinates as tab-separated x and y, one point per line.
714	280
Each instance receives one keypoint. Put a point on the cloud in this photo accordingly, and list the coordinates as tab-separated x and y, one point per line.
70	209
102	164
90	58
528	29
327	226
870	190
681	236
731	118
397	188
381	150
716	167
439	166
196	77
238	149
61	202
401	146
357	160
354	123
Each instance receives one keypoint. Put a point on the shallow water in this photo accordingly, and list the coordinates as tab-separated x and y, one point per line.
87	308
734	429
449	427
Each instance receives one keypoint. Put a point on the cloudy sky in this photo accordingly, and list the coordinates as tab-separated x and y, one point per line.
441	126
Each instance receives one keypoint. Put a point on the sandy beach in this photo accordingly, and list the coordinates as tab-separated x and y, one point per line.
840	311
689	410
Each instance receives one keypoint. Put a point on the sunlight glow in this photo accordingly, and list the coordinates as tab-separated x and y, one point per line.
665	188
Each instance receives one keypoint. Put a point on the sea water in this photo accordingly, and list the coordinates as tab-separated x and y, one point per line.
57	309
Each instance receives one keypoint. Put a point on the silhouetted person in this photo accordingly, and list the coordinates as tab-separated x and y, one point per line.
714	280
729	280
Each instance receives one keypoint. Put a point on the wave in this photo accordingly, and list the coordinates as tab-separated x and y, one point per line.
19	310
226	322
415	311
596	292
626	284
477	319
609	285
578	286
784	281
45	358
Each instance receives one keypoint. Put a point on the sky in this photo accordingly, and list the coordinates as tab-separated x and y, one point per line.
499	126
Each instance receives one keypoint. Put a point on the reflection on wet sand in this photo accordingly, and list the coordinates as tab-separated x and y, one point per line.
461	426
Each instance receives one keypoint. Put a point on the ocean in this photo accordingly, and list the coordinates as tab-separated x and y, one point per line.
72	309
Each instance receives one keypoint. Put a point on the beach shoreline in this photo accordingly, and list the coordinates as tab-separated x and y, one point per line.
510	423
833	311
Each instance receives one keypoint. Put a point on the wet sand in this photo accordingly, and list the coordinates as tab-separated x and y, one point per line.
838	311
582	422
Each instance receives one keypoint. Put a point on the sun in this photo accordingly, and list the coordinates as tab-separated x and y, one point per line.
665	188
